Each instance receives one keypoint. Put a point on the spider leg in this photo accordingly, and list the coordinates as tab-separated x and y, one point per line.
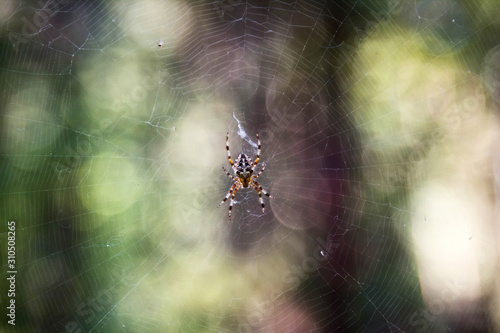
228	152
233	178
229	193
254	182
258	153
232	199
261	171
260	196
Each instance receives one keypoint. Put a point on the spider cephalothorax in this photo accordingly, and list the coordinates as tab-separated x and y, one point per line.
244	168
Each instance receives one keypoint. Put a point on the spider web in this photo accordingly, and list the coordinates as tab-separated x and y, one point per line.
376	127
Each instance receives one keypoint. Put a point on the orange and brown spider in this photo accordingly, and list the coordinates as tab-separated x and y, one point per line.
244	168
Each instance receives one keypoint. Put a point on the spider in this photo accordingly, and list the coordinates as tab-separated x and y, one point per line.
244	168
